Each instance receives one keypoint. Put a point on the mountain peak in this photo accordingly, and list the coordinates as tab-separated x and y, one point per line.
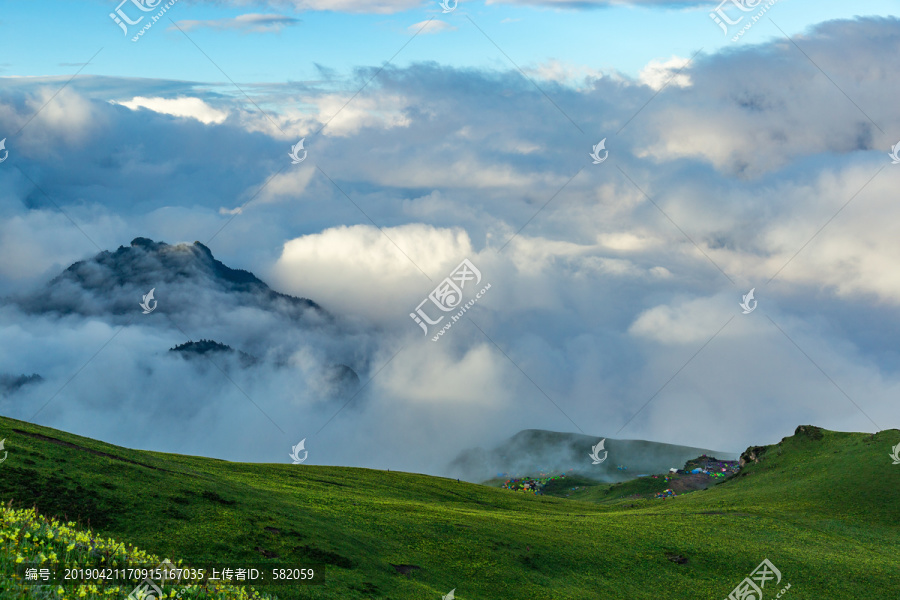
203	249
146	243
114	282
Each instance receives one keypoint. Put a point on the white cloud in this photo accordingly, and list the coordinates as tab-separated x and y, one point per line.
856	253
336	264
658	74
54	117
565	73
685	322
38	241
290	184
192	108
345	118
434	376
742	113
628	241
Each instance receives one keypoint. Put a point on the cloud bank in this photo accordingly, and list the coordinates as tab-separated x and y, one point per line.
615	287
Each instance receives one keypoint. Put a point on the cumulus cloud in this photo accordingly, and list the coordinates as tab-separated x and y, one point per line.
395	264
55	117
741	113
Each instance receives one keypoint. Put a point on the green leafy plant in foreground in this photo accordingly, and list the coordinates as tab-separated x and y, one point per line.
27	537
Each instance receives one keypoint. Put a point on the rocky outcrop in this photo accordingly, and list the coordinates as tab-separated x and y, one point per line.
752	454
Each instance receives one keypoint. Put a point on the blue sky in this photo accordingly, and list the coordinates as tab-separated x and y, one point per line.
623	38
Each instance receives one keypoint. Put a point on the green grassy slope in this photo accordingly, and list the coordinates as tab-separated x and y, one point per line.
825	511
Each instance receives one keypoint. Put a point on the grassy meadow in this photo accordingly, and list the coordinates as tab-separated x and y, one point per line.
822	506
